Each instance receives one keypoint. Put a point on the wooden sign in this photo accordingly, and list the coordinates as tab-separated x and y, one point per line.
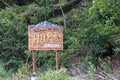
45	37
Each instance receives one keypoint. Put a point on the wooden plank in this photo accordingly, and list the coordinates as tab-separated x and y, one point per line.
45	38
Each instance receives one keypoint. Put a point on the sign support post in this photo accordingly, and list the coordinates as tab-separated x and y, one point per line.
57	60
33	64
45	36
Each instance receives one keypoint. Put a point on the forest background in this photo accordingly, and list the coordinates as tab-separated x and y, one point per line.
91	33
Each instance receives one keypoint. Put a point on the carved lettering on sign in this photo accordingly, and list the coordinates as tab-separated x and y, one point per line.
45	38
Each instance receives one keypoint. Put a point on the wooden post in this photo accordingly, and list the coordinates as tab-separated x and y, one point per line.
33	61
57	60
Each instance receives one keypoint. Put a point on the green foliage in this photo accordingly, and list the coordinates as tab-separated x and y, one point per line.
23	71
91	71
97	24
13	33
93	67
90	27
13	37
105	65
54	75
3	72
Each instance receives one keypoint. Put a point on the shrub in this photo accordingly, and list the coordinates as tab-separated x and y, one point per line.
54	75
3	72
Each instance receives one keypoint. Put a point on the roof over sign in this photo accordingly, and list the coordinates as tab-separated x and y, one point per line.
45	23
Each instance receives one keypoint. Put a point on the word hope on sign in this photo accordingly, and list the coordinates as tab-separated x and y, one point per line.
45	37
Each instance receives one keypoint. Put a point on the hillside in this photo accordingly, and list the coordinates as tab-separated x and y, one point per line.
91	36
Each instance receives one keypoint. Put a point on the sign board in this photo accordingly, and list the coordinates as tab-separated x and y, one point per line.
45	36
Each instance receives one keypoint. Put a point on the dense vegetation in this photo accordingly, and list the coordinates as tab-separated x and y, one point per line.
91	28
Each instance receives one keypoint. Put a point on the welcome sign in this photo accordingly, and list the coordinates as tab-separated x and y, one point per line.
45	36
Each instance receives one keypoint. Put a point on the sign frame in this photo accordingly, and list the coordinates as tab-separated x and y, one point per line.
45	38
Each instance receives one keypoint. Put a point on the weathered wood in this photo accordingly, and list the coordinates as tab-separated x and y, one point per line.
45	38
33	61
57	60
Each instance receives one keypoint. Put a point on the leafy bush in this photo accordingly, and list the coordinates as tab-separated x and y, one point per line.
3	73
91	71
89	27
54	75
97	26
23	71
